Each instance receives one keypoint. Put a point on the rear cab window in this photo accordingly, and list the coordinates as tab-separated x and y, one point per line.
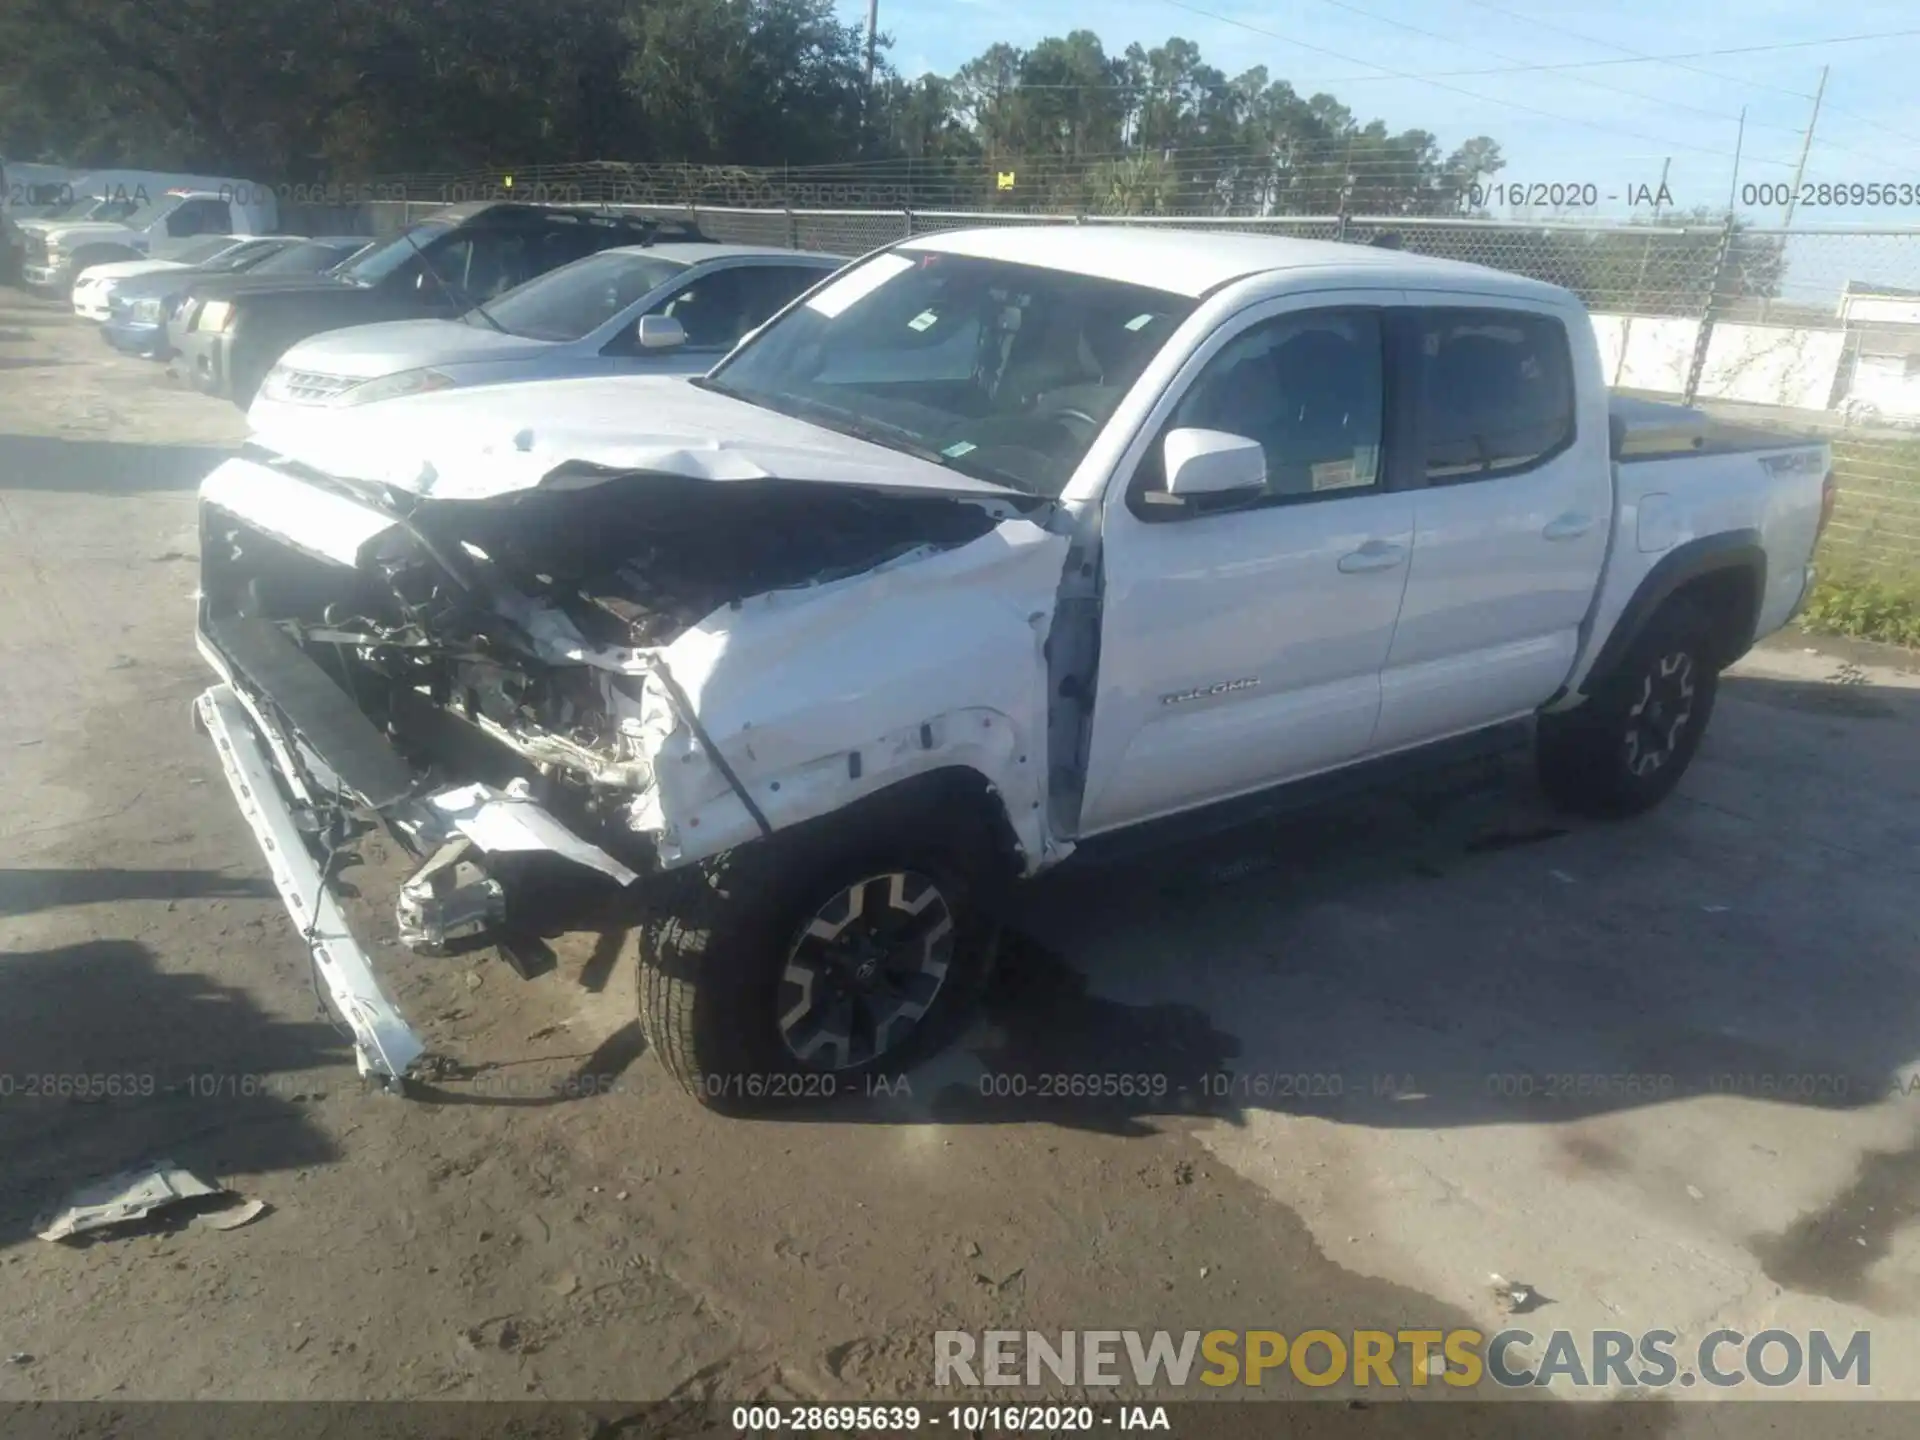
1496	392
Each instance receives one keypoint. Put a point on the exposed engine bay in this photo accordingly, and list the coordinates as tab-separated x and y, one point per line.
532	617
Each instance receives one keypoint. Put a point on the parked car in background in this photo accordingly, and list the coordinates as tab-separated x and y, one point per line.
665	309
1000	547
96	285
140	308
159	229
442	266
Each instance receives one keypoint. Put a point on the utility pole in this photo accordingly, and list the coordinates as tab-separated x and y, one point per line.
1806	144
873	23
1739	141
1639	281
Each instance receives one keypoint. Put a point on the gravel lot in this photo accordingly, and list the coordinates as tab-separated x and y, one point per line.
496	1239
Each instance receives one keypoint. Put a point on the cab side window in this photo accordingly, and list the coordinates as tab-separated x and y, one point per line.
1309	387
1496	392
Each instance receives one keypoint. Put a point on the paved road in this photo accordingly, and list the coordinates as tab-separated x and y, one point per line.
1404	1045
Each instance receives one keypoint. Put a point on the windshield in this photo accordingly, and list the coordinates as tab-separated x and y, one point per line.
141	216
245	256
305	259
578	299
203	250
73	209
1003	372
381	261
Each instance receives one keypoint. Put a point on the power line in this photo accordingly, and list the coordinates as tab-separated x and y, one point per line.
1454	89
1514	59
1677	64
1550	64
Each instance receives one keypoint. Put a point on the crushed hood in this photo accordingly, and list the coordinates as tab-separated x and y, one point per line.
483	441
365	352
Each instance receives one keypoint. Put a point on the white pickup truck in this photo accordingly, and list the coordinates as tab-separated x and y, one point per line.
156	228
996	546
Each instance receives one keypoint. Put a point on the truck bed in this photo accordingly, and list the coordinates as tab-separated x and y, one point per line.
1644	429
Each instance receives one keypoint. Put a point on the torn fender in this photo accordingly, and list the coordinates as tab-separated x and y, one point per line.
817	697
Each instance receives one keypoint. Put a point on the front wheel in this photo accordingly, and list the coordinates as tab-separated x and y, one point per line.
777	974
1623	751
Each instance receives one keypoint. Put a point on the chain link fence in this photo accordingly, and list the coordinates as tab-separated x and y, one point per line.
1811	331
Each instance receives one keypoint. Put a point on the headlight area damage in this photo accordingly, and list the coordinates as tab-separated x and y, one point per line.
631	671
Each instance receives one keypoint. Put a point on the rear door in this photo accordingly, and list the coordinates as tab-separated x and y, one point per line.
1241	643
1511	520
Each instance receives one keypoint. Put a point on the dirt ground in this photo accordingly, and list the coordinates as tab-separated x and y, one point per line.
511	1235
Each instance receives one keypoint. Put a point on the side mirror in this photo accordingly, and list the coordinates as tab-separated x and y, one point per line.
659	332
1212	462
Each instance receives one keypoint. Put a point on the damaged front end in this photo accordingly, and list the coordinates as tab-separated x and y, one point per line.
496	679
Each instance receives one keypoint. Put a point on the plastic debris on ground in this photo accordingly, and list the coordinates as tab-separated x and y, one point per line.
122	1199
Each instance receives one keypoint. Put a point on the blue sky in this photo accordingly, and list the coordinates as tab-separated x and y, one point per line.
1566	125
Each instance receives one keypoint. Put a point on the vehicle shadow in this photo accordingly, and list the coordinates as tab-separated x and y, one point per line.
23	891
1453	954
108	1062
102	467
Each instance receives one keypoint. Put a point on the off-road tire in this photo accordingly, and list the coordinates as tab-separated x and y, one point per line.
1587	756
711	956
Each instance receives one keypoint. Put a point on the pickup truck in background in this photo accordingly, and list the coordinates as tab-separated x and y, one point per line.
172	220
995	549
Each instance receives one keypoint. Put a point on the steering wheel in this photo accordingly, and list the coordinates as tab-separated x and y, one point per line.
1079	418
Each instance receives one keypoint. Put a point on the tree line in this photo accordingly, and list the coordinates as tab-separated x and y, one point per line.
303	91
758	102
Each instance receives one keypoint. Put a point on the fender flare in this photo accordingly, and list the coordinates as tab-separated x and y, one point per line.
1730	550
956	797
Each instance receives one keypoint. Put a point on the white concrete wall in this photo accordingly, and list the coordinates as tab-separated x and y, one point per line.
1659	351
1882	382
1759	364
1875	310
1772	365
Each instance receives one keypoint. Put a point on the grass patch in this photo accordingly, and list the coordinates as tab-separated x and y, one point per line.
1865	606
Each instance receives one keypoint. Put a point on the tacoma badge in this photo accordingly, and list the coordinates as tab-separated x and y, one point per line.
1207	692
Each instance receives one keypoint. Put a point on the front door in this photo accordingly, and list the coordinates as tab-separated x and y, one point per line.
1242	640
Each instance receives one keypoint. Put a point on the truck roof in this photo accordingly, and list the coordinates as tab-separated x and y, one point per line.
1191	262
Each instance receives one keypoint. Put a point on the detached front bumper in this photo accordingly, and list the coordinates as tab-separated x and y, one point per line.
303	762
385	1046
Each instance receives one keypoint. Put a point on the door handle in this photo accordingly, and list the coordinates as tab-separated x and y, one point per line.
1570	526
1374	555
